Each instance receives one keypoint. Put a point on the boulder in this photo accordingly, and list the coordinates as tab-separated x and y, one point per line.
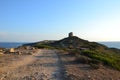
1	50
1	53
12	50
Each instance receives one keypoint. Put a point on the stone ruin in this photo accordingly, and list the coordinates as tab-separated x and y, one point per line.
70	34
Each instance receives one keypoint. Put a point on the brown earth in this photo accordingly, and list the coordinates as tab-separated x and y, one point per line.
79	71
51	65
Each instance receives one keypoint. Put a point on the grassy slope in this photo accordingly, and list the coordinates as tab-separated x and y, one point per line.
95	50
111	59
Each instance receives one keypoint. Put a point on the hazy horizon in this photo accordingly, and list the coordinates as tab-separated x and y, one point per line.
37	20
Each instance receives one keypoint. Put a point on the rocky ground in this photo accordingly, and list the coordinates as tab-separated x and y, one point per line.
50	65
79	71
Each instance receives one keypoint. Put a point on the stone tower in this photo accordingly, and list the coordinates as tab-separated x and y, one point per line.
71	34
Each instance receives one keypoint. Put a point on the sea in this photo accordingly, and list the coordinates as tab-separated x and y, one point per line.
111	44
11	44
16	44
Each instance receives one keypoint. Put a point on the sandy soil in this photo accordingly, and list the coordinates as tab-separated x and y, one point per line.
43	65
50	65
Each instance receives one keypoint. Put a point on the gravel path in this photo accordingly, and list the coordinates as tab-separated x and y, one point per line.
43	65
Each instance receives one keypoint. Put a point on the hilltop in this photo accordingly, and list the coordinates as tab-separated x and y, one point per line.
73	42
92	52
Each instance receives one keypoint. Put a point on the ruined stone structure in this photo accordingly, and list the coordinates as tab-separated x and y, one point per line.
71	34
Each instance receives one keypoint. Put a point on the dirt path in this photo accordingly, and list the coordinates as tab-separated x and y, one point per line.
51	65
44	65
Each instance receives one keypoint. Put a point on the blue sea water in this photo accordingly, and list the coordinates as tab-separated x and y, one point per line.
16	44
111	44
10	44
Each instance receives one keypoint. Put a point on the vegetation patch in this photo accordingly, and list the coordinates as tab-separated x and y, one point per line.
42	46
108	59
83	59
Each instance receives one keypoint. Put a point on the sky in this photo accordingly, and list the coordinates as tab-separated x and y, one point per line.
37	20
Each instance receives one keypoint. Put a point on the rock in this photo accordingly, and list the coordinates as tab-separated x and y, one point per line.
1	53
19	53
89	76
1	50
12	50
27	47
4	76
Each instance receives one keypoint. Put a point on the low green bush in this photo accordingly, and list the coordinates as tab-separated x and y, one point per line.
94	66
108	59
44	46
83	59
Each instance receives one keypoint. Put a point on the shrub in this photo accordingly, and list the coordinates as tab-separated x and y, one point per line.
108	59
74	52
95	61
43	46
94	66
83	59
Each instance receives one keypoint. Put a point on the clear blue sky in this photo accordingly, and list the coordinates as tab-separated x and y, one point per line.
36	20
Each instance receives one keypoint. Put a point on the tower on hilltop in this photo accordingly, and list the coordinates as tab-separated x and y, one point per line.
70	34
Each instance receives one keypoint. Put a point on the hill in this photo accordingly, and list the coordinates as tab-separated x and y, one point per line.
85	51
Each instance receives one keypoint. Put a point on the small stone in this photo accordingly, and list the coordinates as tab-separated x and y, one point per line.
89	76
